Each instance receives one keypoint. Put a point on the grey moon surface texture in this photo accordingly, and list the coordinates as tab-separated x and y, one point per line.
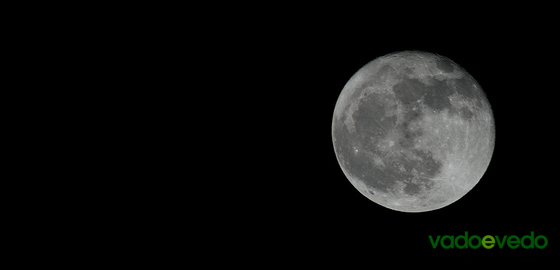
413	131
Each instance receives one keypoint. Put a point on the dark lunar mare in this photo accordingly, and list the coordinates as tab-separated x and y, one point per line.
372	126
435	96
445	65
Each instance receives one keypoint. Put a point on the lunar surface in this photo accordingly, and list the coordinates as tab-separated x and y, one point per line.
413	131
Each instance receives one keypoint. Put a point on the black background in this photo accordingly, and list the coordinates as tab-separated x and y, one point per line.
303	207
255	91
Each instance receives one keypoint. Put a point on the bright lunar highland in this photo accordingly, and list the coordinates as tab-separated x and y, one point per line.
413	131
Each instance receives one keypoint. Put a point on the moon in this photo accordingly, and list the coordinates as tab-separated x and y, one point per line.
413	131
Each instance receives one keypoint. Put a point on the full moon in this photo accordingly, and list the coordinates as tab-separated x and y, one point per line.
413	131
